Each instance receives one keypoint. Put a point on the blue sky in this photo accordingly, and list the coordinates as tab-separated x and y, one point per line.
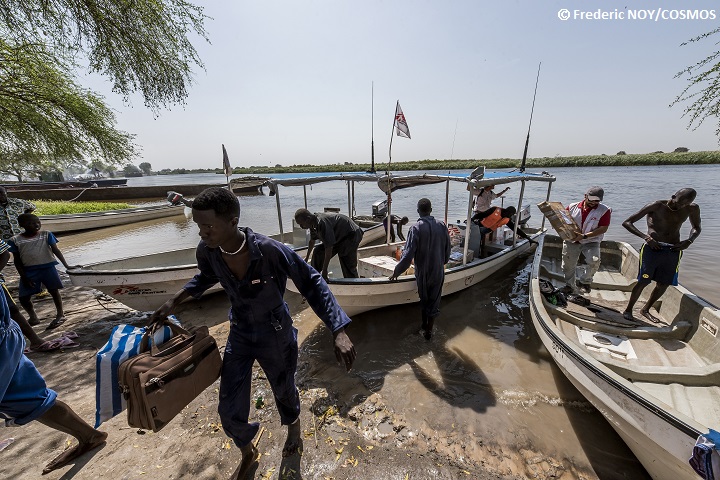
289	82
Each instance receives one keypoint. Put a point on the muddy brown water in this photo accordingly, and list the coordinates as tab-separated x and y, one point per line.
485	375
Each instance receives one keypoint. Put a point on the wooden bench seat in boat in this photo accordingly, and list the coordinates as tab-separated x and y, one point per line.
708	375
677	330
603	279
649	354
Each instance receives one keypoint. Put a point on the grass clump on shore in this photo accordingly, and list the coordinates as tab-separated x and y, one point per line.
640	159
49	207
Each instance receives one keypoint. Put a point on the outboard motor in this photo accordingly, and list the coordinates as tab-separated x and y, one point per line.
379	209
175	198
524	215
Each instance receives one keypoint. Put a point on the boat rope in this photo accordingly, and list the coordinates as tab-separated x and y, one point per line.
78	195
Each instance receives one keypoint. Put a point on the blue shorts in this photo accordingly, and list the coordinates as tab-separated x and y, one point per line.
47	276
24	396
660	265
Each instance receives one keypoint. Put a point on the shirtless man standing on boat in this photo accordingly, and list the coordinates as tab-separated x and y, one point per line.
661	261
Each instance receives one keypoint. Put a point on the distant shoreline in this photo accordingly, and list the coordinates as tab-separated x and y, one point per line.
644	159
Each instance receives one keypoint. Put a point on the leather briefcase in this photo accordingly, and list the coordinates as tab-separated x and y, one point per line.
157	384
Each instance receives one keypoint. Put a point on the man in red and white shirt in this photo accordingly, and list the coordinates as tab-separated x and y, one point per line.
593	218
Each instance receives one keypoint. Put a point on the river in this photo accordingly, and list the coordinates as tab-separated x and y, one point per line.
485	375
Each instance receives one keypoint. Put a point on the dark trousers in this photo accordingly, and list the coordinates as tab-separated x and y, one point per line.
277	353
346	250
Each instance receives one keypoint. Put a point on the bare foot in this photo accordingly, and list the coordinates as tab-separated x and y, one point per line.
34	321
250	456
293	444
68	456
627	315
649	316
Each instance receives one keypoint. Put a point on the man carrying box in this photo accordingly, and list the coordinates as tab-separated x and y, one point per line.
593	218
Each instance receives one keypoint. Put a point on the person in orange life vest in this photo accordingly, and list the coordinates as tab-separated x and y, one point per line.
593	218
495	218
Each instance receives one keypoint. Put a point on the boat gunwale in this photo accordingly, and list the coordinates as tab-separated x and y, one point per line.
449	271
84	271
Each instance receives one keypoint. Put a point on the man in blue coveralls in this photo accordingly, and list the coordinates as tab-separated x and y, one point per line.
24	396
253	270
428	243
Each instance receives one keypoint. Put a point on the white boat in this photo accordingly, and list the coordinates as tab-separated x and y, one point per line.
145	282
109	218
658	384
375	263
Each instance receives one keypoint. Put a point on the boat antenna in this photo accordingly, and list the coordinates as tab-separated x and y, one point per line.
527	140
372	128
447	182
452	150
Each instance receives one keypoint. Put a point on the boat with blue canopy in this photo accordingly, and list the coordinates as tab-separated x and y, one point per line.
467	266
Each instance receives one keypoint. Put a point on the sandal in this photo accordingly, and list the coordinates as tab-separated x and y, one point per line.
55	323
48	346
66	340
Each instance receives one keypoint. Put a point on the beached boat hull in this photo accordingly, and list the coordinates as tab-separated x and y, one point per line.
143	283
654	401
108	218
360	295
98	182
147	281
250	187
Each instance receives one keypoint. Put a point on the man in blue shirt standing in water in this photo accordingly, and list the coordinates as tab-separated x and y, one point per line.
253	270
428	243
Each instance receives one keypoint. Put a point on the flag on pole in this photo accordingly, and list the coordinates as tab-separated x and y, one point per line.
401	125
226	163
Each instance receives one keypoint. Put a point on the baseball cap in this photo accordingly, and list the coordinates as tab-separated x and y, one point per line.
595	193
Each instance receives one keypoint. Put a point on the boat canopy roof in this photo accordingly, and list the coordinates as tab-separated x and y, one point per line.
395	182
272	183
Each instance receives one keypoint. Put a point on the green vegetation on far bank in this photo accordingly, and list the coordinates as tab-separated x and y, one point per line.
622	160
47	207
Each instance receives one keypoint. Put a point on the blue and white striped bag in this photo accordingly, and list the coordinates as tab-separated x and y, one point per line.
124	343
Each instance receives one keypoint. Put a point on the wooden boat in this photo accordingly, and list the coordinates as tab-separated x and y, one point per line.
252	186
146	282
658	384
109	218
375	263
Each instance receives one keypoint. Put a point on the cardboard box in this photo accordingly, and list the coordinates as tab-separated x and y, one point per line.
456	256
560	220
379	266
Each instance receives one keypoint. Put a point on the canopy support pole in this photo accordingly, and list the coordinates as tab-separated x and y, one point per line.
349	200
447	200
277	204
468	223
353	213
547	199
517	214
389	222
305	195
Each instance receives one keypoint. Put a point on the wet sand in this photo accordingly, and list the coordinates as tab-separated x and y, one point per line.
482	399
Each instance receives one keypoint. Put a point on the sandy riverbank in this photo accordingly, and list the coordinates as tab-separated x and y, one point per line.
346	434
